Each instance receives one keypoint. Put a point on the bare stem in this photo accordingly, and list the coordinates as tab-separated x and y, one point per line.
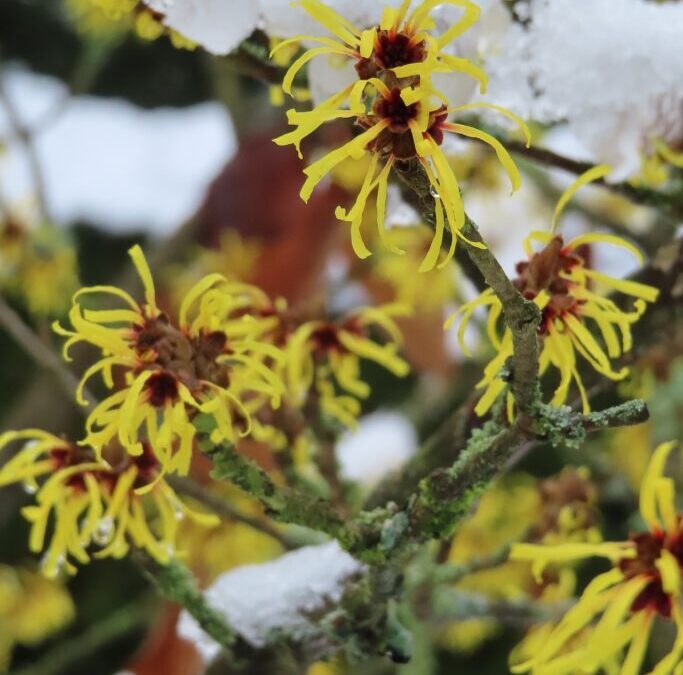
451	573
220	506
669	203
176	583
26	138
40	353
522	316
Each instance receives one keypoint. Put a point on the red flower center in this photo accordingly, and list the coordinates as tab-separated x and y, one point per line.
162	388
649	547
395	111
398	49
391	49
543	272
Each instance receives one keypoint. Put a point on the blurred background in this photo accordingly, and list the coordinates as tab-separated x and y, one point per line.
108	139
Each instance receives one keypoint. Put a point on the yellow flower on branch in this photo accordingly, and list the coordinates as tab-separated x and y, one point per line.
559	281
106	499
208	362
618	608
324	358
401	44
403	116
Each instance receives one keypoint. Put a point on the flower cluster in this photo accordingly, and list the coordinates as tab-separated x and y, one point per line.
619	607
321	369
104	498
207	363
217	362
404	117
222	368
560	282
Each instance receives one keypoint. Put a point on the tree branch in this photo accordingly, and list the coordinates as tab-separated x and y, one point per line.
672	204
283	504
521	316
220	506
40	353
176	583
25	137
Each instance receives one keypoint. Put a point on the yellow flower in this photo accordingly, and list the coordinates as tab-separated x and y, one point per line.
656	167
323	356
32	609
104	18
101	18
618	608
38	266
332	667
116	9
400	44
558	280
208	363
403	116
103	500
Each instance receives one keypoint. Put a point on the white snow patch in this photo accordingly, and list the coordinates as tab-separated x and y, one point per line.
258	600
382	442
112	163
611	68
218	25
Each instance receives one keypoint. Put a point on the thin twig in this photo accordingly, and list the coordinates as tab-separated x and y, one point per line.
451	573
176	583
246	61
522	316
26	138
452	604
40	353
190	488
672	204
282	503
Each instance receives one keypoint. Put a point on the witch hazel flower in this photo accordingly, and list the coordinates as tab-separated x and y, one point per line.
578	320
104	501
402	114
208	362
611	624
324	359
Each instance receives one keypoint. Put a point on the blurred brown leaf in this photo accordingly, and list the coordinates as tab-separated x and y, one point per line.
257	194
164	652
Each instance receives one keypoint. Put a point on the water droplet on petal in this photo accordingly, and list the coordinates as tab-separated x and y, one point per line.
104	531
29	487
434	192
51	566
